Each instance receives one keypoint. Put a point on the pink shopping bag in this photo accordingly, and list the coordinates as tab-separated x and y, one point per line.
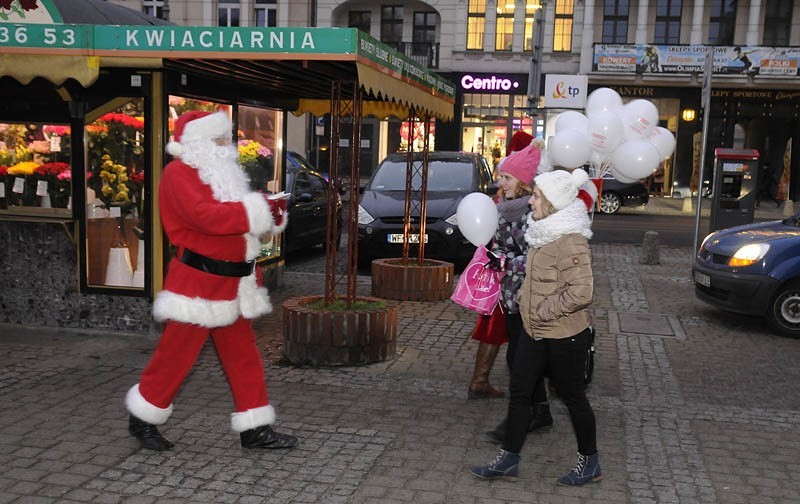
479	286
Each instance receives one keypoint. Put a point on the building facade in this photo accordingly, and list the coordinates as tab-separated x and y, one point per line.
652	49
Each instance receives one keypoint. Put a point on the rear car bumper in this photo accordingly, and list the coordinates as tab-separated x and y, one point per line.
736	292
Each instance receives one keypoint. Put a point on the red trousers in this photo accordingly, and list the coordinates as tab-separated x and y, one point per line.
177	351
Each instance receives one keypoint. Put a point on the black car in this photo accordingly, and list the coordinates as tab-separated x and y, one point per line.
616	194
451	176
307	206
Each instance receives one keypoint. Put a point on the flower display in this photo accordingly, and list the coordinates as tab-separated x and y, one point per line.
59	182
18	7
23	169
114	190
256	160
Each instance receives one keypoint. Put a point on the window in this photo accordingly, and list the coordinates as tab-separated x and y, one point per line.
476	24
532	9
615	22
153	8
424	34
668	22
777	22
504	26
722	21
228	13
360	20
392	24
562	37
265	13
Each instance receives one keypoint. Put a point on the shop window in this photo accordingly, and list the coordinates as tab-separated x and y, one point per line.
228	13
668	22
504	26
35	170
721	22
562	31
424	34
532	9
260	156
115	195
265	13
615	21
476	24
360	20
777	22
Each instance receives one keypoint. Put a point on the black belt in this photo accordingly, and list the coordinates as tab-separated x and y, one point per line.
217	267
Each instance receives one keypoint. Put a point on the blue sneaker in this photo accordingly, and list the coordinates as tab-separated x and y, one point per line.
586	471
504	465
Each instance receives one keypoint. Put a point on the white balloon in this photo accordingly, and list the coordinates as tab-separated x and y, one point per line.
605	131
570	149
664	141
571	120
477	218
622	178
603	100
640	118
635	159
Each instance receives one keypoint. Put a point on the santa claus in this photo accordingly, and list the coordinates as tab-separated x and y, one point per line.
212	287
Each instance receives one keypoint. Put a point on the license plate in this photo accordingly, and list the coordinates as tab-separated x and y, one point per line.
702	279
398	238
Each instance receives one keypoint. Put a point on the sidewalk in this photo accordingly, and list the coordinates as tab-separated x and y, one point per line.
659	205
693	405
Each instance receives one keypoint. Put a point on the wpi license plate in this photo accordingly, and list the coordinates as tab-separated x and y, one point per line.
398	238
702	279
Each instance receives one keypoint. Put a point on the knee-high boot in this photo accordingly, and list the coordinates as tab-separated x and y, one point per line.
479	387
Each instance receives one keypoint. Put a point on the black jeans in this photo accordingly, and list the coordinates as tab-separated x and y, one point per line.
565	359
514	325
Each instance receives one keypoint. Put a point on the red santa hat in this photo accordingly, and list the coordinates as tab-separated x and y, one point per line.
198	125
519	141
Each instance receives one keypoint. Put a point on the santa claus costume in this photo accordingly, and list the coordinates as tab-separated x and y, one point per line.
212	287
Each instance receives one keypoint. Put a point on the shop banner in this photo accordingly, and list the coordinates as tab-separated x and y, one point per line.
744	60
565	91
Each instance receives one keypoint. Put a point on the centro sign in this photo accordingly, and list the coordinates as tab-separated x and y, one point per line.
491	83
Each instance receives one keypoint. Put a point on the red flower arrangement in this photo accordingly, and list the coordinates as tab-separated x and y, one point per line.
52	169
55	129
123	119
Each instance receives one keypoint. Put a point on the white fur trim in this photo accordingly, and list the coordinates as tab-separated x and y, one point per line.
208	127
252	418
171	306
572	219
253	246
258	214
253	300
139	407
590	188
174	149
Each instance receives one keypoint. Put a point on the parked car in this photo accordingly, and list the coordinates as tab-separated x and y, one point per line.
451	176
617	194
308	205
755	270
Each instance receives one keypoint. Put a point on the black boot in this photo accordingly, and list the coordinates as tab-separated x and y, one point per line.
265	437
148	435
541	417
497	435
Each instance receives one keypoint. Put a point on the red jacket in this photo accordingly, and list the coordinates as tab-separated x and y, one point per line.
194	218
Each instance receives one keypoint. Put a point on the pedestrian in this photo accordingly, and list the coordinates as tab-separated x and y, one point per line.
214	220
517	172
553	302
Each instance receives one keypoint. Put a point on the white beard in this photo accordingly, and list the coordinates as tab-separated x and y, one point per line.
217	166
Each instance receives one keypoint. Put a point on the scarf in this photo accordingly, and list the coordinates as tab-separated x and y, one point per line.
513	210
569	220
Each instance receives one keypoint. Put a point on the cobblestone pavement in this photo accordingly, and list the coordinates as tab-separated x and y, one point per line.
693	405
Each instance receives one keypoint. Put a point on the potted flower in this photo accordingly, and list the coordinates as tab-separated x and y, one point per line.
256	160
57	190
23	187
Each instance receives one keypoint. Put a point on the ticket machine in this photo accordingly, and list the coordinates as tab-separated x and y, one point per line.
735	187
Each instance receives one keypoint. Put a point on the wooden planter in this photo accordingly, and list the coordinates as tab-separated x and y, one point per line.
433	281
338	338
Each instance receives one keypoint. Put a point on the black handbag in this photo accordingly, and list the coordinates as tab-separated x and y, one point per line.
588	368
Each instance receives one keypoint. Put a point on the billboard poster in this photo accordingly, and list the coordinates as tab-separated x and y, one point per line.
672	59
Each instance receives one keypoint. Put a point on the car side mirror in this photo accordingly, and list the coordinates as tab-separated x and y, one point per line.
304	197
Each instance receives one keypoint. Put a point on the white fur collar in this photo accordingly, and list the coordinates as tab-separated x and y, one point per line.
227	180
572	219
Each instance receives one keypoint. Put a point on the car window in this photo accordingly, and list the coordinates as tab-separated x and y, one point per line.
319	189
443	175
302	183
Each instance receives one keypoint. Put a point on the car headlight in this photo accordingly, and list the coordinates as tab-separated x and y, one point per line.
749	254
452	220
363	216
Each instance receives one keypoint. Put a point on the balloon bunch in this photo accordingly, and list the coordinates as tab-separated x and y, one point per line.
624	139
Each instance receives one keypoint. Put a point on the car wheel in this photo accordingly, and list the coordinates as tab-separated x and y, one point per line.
610	203
784	311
